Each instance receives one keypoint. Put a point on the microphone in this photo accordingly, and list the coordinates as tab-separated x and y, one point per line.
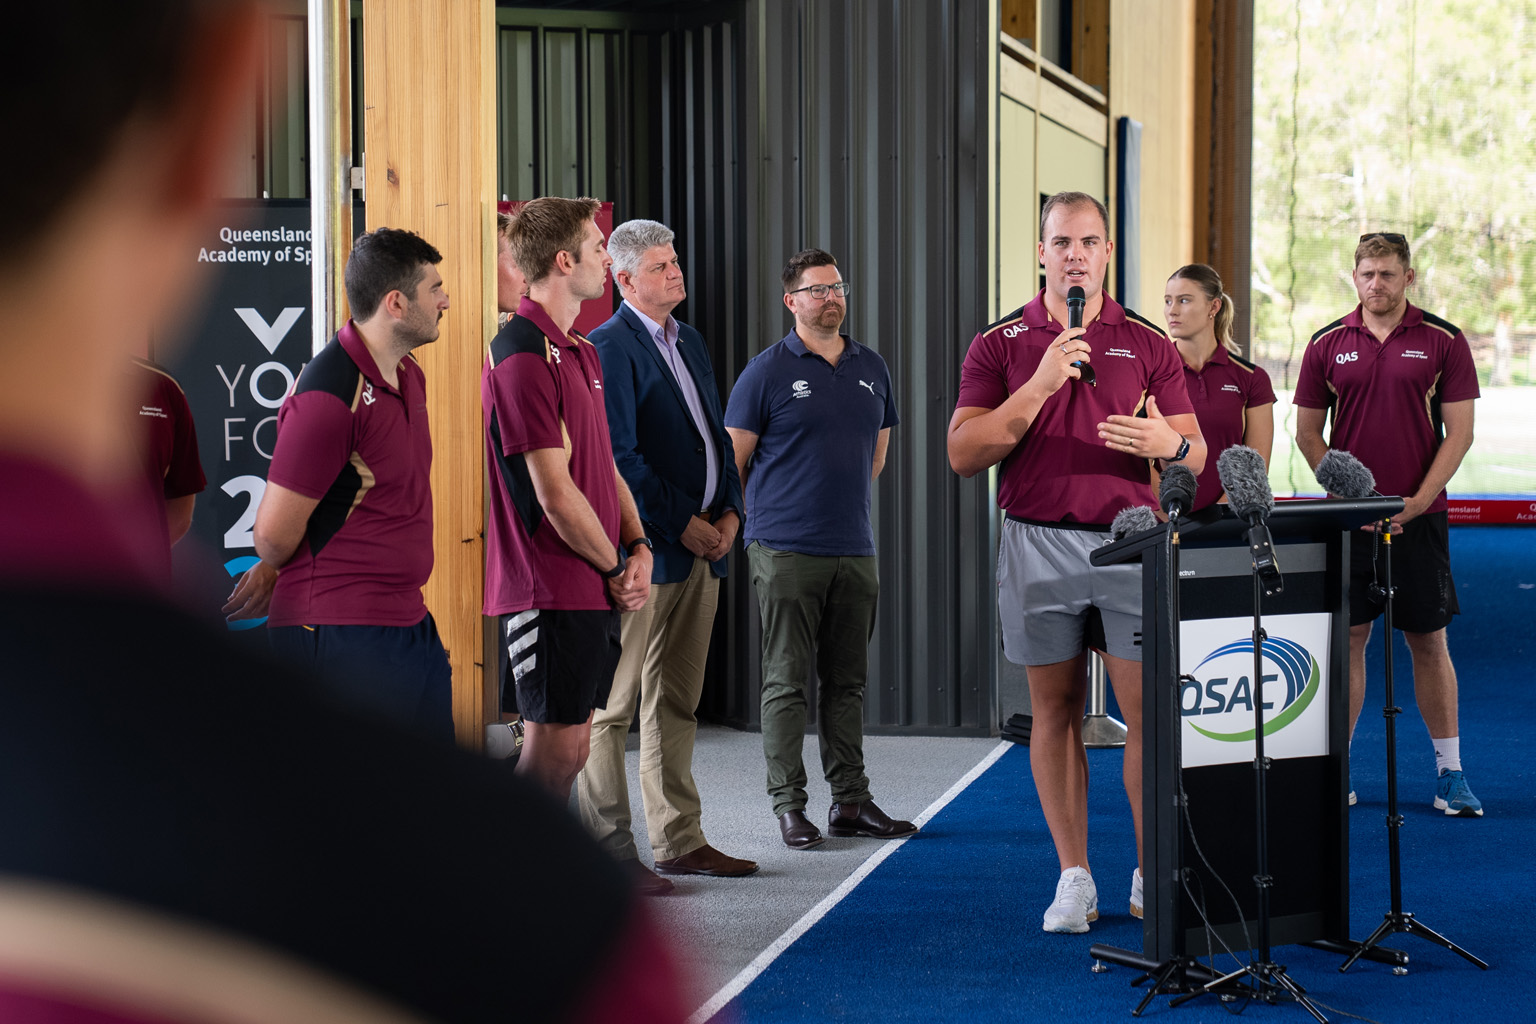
1246	481
1132	519
1341	473
1176	494
1076	303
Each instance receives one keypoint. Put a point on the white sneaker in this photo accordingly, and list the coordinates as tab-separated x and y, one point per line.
1136	893
1077	903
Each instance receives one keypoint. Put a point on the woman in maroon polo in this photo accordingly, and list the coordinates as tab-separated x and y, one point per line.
1233	399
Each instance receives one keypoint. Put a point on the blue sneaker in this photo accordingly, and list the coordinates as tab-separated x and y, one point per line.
1454	797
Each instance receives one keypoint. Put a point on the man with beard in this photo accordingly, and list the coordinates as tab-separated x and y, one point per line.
346	518
810	419
1401	385
566	552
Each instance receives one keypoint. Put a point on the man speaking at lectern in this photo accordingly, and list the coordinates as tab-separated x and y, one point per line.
1073	414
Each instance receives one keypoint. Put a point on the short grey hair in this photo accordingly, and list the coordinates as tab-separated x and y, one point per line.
631	239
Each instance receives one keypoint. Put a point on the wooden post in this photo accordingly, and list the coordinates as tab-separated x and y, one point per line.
429	143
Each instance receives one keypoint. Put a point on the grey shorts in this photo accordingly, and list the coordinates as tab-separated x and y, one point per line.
1045	589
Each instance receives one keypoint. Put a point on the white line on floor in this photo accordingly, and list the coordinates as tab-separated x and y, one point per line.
749	973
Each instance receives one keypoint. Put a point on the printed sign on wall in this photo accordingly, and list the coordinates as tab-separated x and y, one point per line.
238	361
1216	705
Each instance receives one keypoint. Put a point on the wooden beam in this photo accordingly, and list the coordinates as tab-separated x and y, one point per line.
1222	183
429	118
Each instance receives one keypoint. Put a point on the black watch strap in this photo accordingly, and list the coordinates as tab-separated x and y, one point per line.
617	569
1183	450
639	541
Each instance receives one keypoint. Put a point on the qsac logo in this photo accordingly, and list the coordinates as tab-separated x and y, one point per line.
1346	357
801	389
1221	693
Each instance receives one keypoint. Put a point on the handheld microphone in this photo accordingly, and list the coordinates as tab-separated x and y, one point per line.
1076	303
1176	494
1246	481
1132	519
1341	473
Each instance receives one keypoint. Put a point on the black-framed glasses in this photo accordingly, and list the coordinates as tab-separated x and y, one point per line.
1391	237
821	291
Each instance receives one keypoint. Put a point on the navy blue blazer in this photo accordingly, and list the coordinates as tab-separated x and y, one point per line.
656	445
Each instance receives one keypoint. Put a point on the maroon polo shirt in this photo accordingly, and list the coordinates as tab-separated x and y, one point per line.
1062	471
57	531
1386	395
1222	393
168	440
543	389
363	450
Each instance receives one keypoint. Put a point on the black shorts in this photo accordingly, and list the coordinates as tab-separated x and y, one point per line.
556	666
1421	576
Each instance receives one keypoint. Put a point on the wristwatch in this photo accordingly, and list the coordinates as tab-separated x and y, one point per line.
1183	451
642	539
617	570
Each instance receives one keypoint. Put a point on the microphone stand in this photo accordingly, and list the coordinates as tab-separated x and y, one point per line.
1269	980
1396	920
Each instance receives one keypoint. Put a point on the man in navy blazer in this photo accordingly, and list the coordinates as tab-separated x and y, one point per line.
670	445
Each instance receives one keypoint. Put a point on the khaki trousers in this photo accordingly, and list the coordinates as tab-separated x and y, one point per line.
662	664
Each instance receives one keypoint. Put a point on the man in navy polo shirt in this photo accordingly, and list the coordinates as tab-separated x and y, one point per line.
346	518
810	419
1073	453
1401	384
566	552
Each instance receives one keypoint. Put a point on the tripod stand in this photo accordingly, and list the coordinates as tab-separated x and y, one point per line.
1268	980
1396	920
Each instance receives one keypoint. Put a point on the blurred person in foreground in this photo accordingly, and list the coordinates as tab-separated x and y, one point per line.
189	833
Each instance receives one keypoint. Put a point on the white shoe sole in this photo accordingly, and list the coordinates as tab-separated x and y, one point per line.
1441	805
1065	928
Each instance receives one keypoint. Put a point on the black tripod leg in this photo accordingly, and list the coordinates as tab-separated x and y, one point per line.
1158	981
1279	977
1425	932
1382	931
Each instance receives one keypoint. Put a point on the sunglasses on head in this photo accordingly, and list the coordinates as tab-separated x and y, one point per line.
1386	236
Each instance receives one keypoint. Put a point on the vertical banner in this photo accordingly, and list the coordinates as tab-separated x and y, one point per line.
237	361
594	312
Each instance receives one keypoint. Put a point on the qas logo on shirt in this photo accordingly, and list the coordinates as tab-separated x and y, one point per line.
801	389
1217	698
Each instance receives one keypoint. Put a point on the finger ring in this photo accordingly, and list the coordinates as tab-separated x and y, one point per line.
1063	348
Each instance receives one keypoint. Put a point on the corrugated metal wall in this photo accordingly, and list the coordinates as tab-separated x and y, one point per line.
755	128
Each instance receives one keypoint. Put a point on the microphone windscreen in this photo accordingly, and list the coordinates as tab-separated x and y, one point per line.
1342	474
1246	481
1178	488
1132	520
1076	294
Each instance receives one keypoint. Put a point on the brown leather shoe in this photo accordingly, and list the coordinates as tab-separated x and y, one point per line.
646	881
865	820
798	832
706	860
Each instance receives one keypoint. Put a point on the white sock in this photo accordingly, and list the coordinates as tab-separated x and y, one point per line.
1447	754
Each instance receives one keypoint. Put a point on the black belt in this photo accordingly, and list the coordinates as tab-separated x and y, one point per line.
1060	524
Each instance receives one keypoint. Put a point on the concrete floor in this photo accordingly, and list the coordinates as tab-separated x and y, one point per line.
720	925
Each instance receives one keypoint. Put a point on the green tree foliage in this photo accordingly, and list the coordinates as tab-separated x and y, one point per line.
1413	116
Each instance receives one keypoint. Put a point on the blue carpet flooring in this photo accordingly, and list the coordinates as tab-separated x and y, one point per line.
948	929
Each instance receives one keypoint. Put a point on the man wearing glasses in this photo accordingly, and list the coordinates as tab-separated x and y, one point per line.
1400	383
810	419
1074	450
